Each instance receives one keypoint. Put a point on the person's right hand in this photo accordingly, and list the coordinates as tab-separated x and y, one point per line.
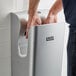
32	21
50	19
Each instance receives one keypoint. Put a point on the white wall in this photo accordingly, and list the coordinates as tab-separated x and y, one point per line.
20	5
5	53
7	6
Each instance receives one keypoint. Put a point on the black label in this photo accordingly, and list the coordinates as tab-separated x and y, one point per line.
50	38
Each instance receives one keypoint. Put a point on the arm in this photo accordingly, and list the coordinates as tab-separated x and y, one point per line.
54	10
33	5
33	18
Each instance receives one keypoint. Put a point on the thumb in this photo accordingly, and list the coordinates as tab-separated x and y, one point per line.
26	34
55	19
27	30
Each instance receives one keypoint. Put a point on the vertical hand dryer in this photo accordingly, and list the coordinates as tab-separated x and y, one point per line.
39	55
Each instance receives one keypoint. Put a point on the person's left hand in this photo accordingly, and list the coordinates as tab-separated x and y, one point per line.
32	21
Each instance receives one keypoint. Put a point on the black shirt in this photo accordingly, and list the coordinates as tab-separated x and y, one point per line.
70	11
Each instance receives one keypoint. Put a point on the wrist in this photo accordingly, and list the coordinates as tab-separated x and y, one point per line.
31	12
30	16
52	13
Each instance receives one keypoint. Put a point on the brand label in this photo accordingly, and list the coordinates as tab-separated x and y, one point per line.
50	38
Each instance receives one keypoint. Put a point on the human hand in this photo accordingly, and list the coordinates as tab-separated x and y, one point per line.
50	19
32	21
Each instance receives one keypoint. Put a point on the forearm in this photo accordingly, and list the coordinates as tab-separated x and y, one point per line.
57	7
33	5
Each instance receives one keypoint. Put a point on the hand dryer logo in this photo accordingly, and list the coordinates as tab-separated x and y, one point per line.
50	38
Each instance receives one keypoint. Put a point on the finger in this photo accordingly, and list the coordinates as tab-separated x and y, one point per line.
27	29
36	24
26	34
29	24
38	21
55	20
47	20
